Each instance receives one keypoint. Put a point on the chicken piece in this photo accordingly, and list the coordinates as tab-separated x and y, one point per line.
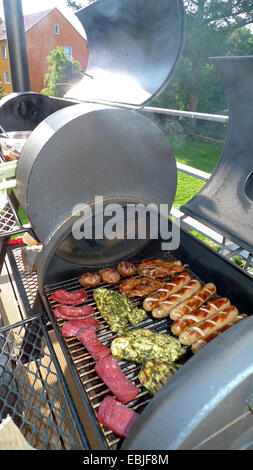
154	375
139	287
159	269
143	344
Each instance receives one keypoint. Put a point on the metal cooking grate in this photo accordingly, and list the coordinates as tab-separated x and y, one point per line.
94	388
31	392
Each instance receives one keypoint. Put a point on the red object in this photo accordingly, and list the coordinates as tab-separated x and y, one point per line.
110	372
69	298
65	312
70	328
116	417
89	339
16	241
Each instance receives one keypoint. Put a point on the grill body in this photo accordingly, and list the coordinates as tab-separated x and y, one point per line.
206	402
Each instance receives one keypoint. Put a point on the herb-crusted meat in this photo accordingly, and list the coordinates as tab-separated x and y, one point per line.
117	310
142	344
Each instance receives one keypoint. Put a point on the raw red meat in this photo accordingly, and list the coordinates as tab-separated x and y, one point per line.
69	298
110	372
89	339
116	417
73	313
70	328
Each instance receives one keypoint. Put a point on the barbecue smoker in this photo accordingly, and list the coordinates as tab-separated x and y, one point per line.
105	148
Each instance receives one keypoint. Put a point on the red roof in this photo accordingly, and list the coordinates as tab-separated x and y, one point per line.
29	21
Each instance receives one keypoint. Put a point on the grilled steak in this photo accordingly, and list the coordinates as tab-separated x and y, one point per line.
70	328
89	339
110	372
116	417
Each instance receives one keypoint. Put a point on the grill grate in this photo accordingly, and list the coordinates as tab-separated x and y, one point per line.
94	388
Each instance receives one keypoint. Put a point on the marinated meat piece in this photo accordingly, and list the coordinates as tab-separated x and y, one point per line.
110	372
73	313
89	339
139	287
154	375
143	344
159	269
69	298
117	310
116	417
90	280
110	276
126	269
70	328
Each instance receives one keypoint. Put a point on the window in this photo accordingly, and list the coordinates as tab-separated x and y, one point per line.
4	52
57	29
6	77
68	51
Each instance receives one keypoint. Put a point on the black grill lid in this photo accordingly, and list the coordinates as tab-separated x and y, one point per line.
85	152
226	201
134	48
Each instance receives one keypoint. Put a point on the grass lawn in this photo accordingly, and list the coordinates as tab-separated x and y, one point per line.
201	155
197	154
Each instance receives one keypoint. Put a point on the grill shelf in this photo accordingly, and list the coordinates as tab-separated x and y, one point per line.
35	394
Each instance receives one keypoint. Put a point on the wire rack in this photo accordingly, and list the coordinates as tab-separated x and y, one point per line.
33	391
33	388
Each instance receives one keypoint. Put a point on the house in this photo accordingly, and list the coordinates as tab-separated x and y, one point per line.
44	32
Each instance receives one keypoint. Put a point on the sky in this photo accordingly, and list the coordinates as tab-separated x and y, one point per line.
32	6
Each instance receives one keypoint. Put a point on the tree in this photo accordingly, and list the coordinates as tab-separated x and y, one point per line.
64	72
207	24
76	5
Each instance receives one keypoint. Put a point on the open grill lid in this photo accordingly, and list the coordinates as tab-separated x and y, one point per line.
226	201
134	48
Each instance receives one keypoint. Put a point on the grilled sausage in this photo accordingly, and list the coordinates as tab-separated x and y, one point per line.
110	276
202	342
188	320
90	280
163	293
163	309
193	302
209	326
126	269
